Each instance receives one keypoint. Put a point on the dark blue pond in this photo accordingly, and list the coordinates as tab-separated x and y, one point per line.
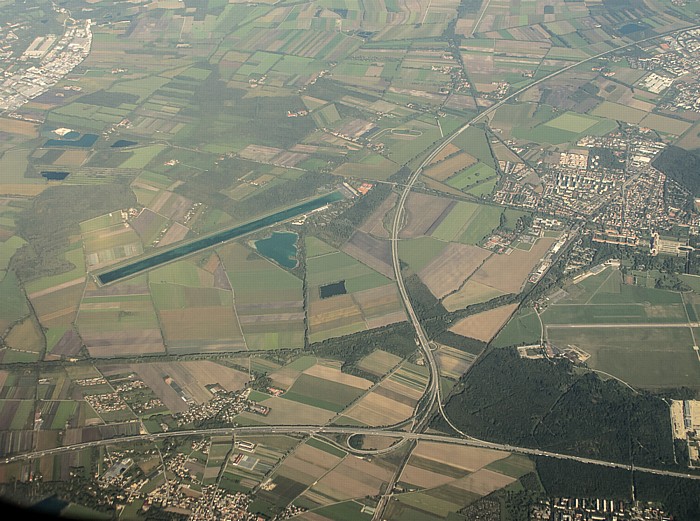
281	247
216	238
124	143
331	290
50	506
633	28
55	176
86	141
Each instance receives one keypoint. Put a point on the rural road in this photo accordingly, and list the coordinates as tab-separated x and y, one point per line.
623	326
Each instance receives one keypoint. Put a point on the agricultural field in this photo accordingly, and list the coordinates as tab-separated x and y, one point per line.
447	272
453	362
484	326
350	478
195	310
638	334
114	242
268	299
321	385
120	320
345	296
390	402
313	391
448	479
508	273
379	362
55	299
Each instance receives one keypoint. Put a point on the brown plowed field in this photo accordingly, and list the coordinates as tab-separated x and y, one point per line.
421	212
507	273
372	252
452	267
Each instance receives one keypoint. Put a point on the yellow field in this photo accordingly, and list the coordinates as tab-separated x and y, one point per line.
72	158
335	375
483	482
423	478
469	459
445	169
507	273
484	326
16	126
27	190
376	410
451	268
444	153
471	293
453	362
665	124
353	478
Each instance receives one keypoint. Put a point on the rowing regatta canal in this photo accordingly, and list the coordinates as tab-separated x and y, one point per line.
140	265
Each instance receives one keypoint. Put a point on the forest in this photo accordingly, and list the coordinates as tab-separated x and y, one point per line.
553	406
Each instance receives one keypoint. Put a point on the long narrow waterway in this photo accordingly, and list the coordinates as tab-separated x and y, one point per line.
158	259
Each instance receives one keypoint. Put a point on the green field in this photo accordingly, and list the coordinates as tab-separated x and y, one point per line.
636	333
321	393
471	177
263	289
75	256
572	122
417	253
340	266
346	511
650	357
468	223
523	328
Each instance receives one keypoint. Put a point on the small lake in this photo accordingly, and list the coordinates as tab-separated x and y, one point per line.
331	290
281	247
124	143
633	28
86	141
54	176
50	506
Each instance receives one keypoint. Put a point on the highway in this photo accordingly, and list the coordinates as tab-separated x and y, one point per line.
258	430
